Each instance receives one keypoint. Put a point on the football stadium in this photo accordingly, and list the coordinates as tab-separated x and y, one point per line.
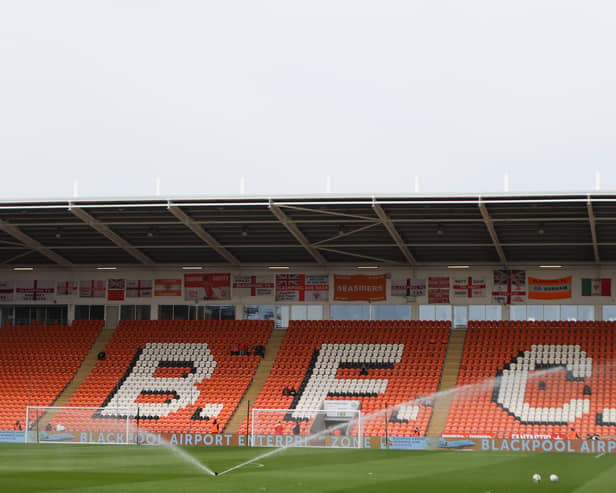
443	343
327	246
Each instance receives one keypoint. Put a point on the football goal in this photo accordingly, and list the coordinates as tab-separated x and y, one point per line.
306	428
86	425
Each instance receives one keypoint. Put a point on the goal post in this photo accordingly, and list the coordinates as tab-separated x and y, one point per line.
84	425
306	428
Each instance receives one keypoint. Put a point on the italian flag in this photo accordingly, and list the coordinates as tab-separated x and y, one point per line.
596	287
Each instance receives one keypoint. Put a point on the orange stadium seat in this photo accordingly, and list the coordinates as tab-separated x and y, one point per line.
418	349
168	349
37	362
552	377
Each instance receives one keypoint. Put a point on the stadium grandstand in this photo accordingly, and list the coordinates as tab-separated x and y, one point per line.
185	315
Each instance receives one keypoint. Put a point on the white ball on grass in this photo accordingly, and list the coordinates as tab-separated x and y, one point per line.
554	478
536	477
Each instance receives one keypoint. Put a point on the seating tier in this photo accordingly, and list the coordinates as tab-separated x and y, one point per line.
323	360
535	378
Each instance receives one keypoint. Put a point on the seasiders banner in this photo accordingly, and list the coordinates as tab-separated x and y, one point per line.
302	287
549	289
35	290
207	286
253	285
360	288
509	286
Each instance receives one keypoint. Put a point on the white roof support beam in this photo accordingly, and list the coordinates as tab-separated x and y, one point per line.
358	255
492	231
593	230
111	236
297	234
15	257
393	232
33	244
196	228
346	233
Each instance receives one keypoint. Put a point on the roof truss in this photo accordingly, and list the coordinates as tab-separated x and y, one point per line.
203	234
32	244
393	232
297	234
593	230
492	231
112	236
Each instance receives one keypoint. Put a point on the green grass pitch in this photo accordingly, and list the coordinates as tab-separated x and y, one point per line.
105	468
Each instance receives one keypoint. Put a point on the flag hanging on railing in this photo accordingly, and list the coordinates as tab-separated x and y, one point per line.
509	286
141	288
360	288
35	290
7	290
115	289
253	285
438	290
469	287
596	287
302	287
549	289
409	287
168	287
92	289
207	286
67	288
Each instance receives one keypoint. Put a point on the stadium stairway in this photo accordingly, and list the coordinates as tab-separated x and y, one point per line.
449	377
82	373
258	381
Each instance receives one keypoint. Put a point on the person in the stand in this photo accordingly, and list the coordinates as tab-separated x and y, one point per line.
296	428
416	432
215	426
286	391
573	435
18	426
363	370
292	391
60	427
49	427
278	428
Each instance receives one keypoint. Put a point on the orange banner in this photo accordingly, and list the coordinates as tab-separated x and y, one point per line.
549	289
360	288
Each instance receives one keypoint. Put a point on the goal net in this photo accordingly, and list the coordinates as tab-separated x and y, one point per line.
306	428
86	425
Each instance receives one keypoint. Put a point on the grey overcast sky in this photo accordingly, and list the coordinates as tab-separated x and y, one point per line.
372	93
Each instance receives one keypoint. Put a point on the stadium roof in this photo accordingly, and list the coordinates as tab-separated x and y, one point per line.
319	230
